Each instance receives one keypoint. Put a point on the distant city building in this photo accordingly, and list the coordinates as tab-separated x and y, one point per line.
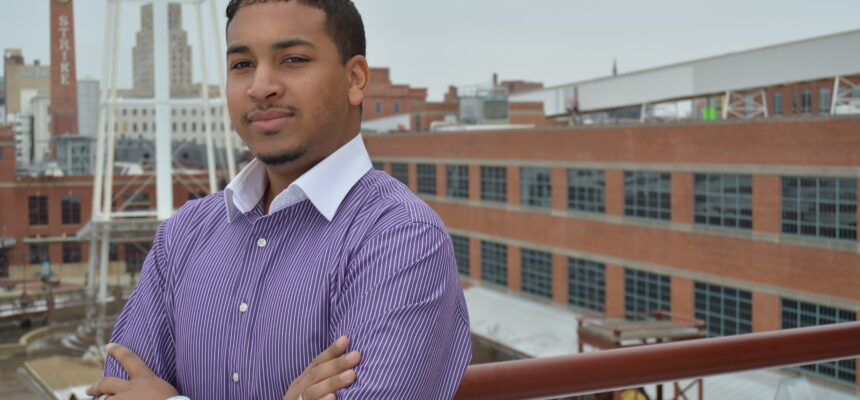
816	76
384	98
143	67
88	106
744	216
23	81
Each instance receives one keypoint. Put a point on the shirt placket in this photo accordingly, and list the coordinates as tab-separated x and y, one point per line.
243	308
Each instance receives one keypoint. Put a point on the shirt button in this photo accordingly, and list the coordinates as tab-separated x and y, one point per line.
261	242
243	307
235	377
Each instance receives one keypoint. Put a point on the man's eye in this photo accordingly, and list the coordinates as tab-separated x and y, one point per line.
240	65
294	60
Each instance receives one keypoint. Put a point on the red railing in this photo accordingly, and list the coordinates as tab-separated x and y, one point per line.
642	365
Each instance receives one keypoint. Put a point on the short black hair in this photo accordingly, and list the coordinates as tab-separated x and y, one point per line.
343	23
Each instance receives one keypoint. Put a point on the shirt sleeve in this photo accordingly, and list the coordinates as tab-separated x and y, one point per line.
406	314
145	323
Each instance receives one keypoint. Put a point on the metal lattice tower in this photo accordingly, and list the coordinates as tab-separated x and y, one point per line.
111	222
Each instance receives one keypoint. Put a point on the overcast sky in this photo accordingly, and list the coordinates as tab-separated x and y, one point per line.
434	43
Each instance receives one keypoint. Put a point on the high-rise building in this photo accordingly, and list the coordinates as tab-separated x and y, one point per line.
180	55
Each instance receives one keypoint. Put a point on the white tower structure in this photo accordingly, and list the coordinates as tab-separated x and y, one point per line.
110	221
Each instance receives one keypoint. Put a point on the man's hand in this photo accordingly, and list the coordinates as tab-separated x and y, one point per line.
326	374
143	385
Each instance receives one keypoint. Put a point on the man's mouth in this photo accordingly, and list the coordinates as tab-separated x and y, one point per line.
269	120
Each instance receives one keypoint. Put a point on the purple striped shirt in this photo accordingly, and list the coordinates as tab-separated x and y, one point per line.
237	310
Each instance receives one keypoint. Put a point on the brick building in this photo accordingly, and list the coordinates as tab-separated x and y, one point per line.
40	216
749	226
384	98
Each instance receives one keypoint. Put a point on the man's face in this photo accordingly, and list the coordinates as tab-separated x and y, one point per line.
287	89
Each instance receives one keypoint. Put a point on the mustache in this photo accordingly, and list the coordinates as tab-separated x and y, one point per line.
269	107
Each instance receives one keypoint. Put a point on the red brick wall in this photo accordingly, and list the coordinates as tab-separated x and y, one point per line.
768	144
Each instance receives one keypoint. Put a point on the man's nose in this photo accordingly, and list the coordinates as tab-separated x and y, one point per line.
266	85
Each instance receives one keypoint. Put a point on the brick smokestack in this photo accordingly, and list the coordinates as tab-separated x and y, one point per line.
64	87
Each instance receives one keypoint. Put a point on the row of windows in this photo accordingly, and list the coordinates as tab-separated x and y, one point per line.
821	207
70	209
801	101
379	108
39	253
182	111
725	310
185	127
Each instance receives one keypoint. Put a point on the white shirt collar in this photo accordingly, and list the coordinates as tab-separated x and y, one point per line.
325	185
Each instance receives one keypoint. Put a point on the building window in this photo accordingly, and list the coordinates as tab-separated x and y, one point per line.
726	311
458	181
39	253
378	165
71	252
794	103
379	107
585	188
824	101
776	104
112	252
797	314
820	207
586	284
536	273
535	187
494	184
805	101
494	263
646	291
71	209
648	194
400	171
397	106
723	200
135	254
427	179
38	210
461	253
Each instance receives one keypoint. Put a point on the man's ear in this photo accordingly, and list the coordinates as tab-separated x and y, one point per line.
359	79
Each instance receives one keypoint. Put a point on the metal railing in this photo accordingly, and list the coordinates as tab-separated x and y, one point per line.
643	365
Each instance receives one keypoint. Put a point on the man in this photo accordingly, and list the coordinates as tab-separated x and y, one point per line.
307	244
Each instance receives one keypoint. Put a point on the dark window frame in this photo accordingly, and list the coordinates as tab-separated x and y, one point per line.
648	194
725	310
426	179
723	200
536	273
536	187
494	262
457	181
494	184
586	284
586	190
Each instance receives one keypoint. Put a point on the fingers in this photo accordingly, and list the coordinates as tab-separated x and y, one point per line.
133	365
325	389
336	349
107	386
331	376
